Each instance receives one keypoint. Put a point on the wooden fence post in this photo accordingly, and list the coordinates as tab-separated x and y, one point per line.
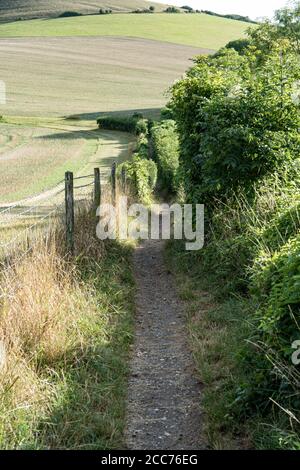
123	179
97	188
113	182
70	219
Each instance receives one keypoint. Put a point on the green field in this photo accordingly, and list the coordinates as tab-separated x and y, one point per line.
199	30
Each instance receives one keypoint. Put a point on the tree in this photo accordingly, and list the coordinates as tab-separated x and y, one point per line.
172	10
288	20
286	25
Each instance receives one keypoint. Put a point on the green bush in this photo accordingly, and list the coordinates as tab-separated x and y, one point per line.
239	45
135	124
104	11
275	281
238	117
253	249
141	174
67	14
165	146
237	123
142	146
144	10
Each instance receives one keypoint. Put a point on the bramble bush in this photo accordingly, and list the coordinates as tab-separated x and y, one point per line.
141	172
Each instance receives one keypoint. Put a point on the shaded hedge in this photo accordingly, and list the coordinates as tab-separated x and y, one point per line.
165	147
135	124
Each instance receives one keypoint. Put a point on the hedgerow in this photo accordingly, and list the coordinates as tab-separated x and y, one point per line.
238	120
165	146
141	175
237	123
134	124
141	171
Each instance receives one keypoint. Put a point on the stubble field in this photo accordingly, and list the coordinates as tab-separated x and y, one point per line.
89	75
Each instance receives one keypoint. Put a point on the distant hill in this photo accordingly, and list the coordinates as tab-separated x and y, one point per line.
245	19
13	10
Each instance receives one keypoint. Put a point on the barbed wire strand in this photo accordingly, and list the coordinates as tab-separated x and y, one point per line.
27	229
82	177
30	209
19	204
84	185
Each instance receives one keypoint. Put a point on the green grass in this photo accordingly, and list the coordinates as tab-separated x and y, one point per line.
217	333
199	30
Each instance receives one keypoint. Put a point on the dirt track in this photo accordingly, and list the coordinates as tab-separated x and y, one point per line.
164	395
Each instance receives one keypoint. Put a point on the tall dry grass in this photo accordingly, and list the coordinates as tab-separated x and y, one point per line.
57	315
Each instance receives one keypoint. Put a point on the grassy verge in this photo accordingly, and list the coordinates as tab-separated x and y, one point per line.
218	331
221	331
65	328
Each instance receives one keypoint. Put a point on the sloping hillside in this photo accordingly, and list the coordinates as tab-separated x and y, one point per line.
88	75
204	31
13	10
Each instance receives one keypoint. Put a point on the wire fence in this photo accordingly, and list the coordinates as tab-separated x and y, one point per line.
21	220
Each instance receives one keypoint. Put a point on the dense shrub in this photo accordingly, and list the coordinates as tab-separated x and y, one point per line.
230	16
141	174
142	146
276	283
239	45
165	147
134	124
144	10
187	7
237	123
104	11
253	249
67	14
166	113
